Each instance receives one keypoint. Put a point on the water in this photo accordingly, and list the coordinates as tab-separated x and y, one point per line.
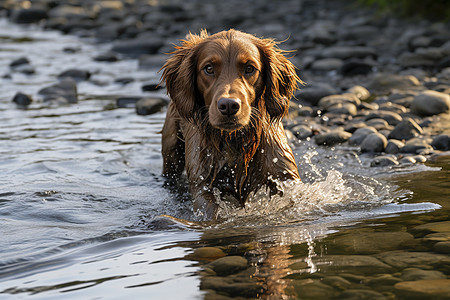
81	198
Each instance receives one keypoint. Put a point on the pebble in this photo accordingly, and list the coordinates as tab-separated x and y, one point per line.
424	289
402	259
360	92
206	253
433	227
441	142
430	103
442	247
63	92
405	130
313	92
358	263
148	106
360	134
415	145
392	118
393	146
76	74
384	83
412	274
332	138
356	67
22	100
313	289
228	265
356	294
407	160
302	131
327	64
22	65
383	161
138	46
374	142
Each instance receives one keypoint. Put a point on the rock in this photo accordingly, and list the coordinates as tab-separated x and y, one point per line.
378	124
374	142
314	92
369	242
300	265
430	103
412	274
405	130
415	145
391	117
358	263
337	282
124	80
385	83
433	227
360	134
228	265
407	160
22	100
313	289
347	52
438	289
441	142
383	161
152	62
206	253
360	294
302	131
368	106
383	279
29	15
332	138
148	106
356	67
22	65
420	158
327	64
234	288
152	86
127	102
76	74
360	92
138	46
393	146
63	92
107	57
442	247
403	259
332	100
389	106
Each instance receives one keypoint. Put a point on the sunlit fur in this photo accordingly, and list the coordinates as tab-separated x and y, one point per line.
236	154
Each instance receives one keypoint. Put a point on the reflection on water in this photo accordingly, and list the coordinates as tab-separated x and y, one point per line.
81	201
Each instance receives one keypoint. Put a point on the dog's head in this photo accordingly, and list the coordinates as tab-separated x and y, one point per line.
229	74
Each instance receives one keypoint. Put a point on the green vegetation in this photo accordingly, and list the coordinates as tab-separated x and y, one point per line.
431	9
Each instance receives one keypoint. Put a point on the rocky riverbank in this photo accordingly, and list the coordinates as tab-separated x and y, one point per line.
373	81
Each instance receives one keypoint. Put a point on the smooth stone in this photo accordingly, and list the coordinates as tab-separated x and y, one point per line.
430	103
424	289
62	92
347	52
206	253
407	160
368	106
124	80
420	158
374	142
343	108
148	106
22	65
327	64
75	74
313	289
22	100
405	130
403	259
107	57
138	46
360	294
359	263
360	92
356	67
393	146
442	247
29	15
383	161
389	106
385	83
378	124
415	145
370	242
312	93
383	279
302	131
230	287
391	117
332	138
412	274
19	61
228	265
360	134
337	282
127	102
330	101
441	142
433	227
152	62
433	238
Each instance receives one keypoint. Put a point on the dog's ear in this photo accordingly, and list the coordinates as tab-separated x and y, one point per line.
179	74
280	77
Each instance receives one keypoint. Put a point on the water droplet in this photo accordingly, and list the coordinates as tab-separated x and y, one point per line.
275	160
262	150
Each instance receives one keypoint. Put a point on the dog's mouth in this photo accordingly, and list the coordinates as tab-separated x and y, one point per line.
229	124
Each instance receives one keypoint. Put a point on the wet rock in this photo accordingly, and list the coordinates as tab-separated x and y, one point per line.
228	265
332	100
76	74
206	253
356	67
332	138
148	106
337	282
152	86
428	228
232	288
411	274
430	103
313	289
374	142
359	263
391	117
378	124
302	131
405	130
383	161
138	46
107	57
359	294
327	64
407	160
299	265
360	92
385	83
368	106
127	102
403	259
415	145
393	146
441	142
22	65
29	15
383	279
63	92
360	134
22	100
420	158
312	93
150	62
424	289
347	52
124	80
389	106
442	247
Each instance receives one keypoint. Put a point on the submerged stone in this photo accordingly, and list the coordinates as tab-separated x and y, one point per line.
228	265
424	289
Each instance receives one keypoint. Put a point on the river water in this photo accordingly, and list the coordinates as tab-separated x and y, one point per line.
82	202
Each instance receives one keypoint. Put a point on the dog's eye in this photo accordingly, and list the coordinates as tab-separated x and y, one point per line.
249	69
209	69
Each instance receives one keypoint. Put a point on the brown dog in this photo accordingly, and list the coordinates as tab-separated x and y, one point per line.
229	92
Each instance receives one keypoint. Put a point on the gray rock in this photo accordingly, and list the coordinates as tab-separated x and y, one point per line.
412	274
327	64
62	92
441	142
389	106
302	131
420	158
393	146
360	92
332	100
430	103
138	46
22	100
150	62
76	74
405	130
360	134
368	106
374	142
343	108
407	160
332	138
385	83
415	145
107	57
29	15
314	92
378	124
383	161
22	65
356	67
148	106
228	265
391	117
346	52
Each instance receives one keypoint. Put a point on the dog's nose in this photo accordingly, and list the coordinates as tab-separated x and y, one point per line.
228	106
